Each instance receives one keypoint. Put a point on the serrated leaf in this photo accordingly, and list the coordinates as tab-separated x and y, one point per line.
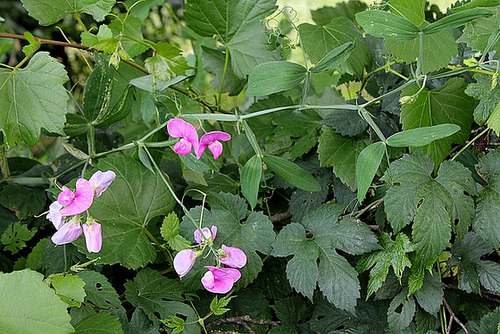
218	306
167	62
401	311
477	33
50	11
33	98
273	77
367	165
99	323
170	232
334	58
447	104
341	153
69	288
432	203
430	295
387	25
456	20
345	122
487	94
251	175
98	290
292	173
318	41
301	201
14	238
422	136
125	209
34	308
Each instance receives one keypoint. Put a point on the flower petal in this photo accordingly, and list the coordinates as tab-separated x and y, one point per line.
205	234
183	147
54	215
84	196
235	257
214	232
93	236
66	196
184	261
100	181
178	128
220	280
67	233
211	138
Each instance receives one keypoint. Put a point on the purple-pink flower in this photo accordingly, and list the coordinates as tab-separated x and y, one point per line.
78	201
232	257
178	128
93	235
100	181
220	280
207	234
68	232
184	261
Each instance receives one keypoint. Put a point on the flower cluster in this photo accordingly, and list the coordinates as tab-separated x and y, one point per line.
70	205
178	128
216	279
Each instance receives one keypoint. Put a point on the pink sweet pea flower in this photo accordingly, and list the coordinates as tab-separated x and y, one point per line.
184	261
211	140
233	257
69	232
54	215
220	280
76	202
93	236
206	234
100	181
178	128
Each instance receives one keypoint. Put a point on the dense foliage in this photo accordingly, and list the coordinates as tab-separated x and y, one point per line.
356	191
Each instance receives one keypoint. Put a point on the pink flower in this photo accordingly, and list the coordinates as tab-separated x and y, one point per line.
76	202
55	216
100	181
211	140
184	261
206	234
69	232
220	280
93	235
178	128
233	257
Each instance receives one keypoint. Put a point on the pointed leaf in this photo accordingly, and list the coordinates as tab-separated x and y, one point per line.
456	20
97	92
250	179
367	165
292	173
383	24
273	77
422	136
334	58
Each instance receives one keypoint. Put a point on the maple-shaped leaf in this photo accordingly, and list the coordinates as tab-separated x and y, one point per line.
33	98
446	104
466	255
434	204
337	279
488	94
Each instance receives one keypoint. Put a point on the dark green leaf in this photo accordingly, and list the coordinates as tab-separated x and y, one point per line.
250	179
387	25
345	122
401	311
430	296
422	136
367	165
214	63
487	94
292	173
98	290
334	58
15	236
456	20
273	77
97	93
75	125
23	201
99	323
69	288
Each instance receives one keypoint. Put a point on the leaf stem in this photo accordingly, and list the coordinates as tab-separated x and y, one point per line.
224	71
470	143
166	253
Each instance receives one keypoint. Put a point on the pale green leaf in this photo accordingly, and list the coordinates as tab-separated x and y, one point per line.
29	305
99	323
422	136
292	173
334	58
475	4
477	33
387	25
456	20
412	10
33	98
273	77
251	175
367	165
167	62
170	232
69	288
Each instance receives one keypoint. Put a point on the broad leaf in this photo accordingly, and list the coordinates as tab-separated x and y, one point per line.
422	136
430	295
401	311
487	93
99	323
447	104
33	308
98	290
214	63
292	173
273	77
432	203
367	165
251	175
345	122
50	11
125	209
69	288
325	14
478	33
387	25
33	98
167	62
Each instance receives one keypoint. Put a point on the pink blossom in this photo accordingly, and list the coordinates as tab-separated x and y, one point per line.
220	280
211	140
178	128
184	261
54	215
233	257
69	232
100	181
93	235
76	202
206	234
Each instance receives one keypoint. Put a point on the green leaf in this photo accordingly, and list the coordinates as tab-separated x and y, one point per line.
477	33
98	290
167	62
89	39
75	125
447	104
488	94
292	173
69	288
325	14
214	63
334	58
273	77
393	254
422	136
387	25
125	209
319	41
341	153
33	98
430	295
170	232
401	311
238	26
367	165
23	201
49	12
28	50
218	306
414	11
97	92
251	175
345	122
456	20
99	323
14	238
32	308
432	203
494	120
475	4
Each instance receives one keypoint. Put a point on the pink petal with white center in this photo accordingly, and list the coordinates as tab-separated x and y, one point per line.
93	236
69	232
184	261
207	234
100	181
220	280
182	147
54	215
84	195
178	128
235	257
66	196
211	140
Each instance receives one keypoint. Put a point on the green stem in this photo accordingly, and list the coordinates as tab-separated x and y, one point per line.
221	88
4	165
252	139
77	16
167	254
91	141
469	143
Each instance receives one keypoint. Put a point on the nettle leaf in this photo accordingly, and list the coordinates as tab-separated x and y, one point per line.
447	104
466	255
487	218
318	41
170	232
434	204
292	311
392	255
50	11
487	93
274	76
69	288
401	311
33	308
167	62
33	98
430	295
336	278
98	290
489	324
345	122
341	153
125	209
99	323
15	236
237	24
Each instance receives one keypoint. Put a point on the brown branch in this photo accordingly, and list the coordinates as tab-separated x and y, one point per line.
46	41
454	317
280	216
243	322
